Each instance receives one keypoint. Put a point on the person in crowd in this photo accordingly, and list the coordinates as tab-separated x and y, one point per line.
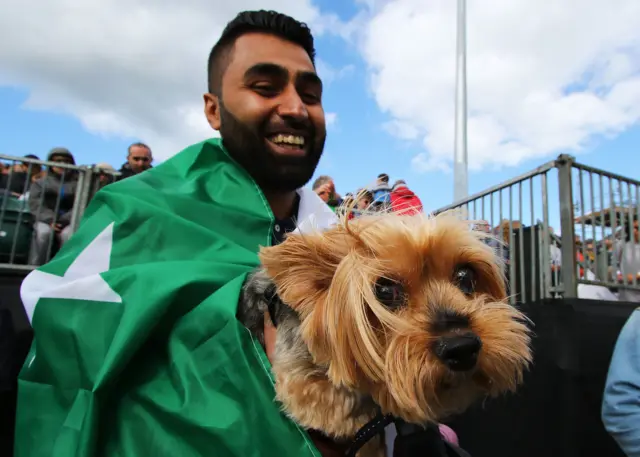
627	257
621	399
403	200
155	332
365	199
19	176
51	200
381	192
139	159
325	188
104	174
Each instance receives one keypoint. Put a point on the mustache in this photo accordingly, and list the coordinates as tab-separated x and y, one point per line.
300	127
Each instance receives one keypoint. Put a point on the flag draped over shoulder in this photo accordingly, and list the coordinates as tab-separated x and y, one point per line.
137	350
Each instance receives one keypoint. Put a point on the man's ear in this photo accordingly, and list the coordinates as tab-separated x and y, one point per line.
212	110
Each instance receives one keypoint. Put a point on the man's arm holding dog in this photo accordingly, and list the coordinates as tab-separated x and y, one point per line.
621	403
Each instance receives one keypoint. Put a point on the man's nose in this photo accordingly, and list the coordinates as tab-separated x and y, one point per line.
292	106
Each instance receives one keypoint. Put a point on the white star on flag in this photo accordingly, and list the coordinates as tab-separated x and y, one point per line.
81	281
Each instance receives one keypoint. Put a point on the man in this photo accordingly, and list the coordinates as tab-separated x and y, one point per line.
325	188
382	192
139	159
17	178
621	400
403	200
51	200
104	174
138	351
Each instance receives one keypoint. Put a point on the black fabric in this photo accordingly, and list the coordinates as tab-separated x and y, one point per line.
15	183
557	410
413	441
283	226
15	340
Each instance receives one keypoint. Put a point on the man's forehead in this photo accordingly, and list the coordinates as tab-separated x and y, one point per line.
140	150
253	48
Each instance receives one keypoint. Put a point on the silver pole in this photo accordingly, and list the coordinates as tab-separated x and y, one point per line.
461	184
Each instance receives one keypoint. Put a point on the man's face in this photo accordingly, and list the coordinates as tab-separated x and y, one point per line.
139	158
327	191
270	115
483	227
61	159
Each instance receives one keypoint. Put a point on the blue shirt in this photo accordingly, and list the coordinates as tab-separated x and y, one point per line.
621	402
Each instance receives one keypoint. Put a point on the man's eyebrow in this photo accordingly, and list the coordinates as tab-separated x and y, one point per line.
266	69
308	77
276	71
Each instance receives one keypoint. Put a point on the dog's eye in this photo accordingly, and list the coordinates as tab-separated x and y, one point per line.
465	279
389	293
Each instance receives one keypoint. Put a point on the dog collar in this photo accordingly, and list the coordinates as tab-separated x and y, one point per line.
372	428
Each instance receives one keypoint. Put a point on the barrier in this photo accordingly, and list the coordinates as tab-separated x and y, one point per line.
41	205
595	211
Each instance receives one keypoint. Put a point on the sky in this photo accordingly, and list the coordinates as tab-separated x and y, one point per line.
544	78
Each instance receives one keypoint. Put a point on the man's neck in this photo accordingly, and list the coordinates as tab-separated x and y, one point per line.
281	203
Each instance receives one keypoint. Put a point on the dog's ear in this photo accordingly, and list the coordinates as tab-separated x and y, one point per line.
302	267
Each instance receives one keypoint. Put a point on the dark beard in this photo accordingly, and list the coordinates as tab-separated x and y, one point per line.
248	147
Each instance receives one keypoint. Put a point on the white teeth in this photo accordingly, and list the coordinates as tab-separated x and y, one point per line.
288	139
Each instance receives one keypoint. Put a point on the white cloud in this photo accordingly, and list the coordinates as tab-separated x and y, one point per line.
543	77
127	68
329	74
330	119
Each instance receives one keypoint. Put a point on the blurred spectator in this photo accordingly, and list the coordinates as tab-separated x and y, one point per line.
403	200
365	199
17	178
555	253
627	255
139	159
51	202
104	174
325	188
348	199
382	192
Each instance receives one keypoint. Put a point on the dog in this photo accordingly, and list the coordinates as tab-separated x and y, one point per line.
404	315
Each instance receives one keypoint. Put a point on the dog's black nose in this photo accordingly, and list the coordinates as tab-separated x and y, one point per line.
459	352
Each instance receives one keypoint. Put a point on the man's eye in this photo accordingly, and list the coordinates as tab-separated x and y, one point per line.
310	98
264	89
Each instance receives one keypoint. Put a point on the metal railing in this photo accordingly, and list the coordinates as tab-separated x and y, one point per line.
41	205
595	212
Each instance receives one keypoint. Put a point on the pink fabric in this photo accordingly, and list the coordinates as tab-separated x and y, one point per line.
448	434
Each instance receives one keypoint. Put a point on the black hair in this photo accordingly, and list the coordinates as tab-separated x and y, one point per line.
383	177
269	22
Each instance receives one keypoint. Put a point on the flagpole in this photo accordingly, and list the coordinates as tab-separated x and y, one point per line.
461	184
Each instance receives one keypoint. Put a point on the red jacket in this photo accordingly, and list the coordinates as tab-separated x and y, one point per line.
404	201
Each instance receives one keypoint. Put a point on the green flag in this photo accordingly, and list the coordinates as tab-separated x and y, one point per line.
137	350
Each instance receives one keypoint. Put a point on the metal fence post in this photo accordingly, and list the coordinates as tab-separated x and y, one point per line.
564	165
82	195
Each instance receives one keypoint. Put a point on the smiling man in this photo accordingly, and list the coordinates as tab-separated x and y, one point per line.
265	98
137	348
